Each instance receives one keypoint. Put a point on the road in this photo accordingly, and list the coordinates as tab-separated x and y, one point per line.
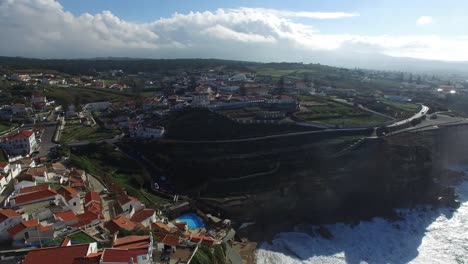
46	137
423	111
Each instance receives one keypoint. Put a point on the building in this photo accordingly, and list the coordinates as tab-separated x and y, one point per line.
72	198
129	204
126	256
97	106
39	174
8	218
148	132
64	219
121	222
145	217
64	254
21	143
93	204
30	231
35	197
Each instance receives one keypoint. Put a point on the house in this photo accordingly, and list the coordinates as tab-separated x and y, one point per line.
30	231
19	109
26	163
24	183
132	242
92	203
8	218
64	254
39	174
121	222
64	219
129	204
76	178
97	106
160	227
59	168
32	189
126	256
34	197
145	217
72	198
168	243
148	132
87	219
21	143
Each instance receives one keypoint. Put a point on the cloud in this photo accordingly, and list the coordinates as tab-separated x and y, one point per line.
424	20
43	28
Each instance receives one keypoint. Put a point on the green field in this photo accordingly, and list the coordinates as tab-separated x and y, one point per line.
70	95
4	127
276	72
81	237
112	166
329	112
74	131
409	107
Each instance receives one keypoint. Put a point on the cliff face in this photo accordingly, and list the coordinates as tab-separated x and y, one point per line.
319	179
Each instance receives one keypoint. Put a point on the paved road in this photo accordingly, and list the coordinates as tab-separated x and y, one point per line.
423	111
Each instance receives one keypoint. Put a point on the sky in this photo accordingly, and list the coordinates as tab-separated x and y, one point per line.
304	30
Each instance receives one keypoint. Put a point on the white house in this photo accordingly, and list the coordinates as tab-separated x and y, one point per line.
21	143
148	132
97	106
130	204
146	217
72	198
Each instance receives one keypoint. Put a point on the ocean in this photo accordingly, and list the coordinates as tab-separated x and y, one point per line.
424	235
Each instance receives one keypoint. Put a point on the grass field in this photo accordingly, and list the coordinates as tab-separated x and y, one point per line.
4	127
276	73
103	161
68	95
323	111
74	131
409	107
81	237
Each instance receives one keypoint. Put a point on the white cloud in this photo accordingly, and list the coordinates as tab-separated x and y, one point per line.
424	20
42	28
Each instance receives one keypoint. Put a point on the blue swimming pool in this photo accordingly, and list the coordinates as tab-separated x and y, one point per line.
192	220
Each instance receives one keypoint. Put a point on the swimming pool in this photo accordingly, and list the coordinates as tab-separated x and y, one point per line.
192	220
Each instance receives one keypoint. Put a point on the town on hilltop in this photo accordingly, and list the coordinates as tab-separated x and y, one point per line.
75	188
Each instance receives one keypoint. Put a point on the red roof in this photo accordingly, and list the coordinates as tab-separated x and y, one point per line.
21	226
32	197
205	239
8	213
122	255
62	255
120	222
25	134
162	226
182	226
142	215
169	240
85	218
3	164
130	242
92	196
68	192
37	171
66	216
32	189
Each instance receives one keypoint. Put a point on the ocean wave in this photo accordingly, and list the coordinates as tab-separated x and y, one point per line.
424	236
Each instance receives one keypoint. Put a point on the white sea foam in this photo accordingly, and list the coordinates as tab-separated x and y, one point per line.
424	236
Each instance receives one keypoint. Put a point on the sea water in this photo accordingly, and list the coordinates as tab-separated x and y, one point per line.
425	235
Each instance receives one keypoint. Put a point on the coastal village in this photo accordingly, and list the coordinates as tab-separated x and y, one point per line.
52	208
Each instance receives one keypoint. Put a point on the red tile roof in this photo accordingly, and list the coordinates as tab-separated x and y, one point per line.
68	192
66	216
142	215
8	213
4	164
169	240
120	222
62	255
86	218
37	171
25	134
124	199
159	225
32	189
32	197
122	255
92	196
182	226
130	242
22	225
